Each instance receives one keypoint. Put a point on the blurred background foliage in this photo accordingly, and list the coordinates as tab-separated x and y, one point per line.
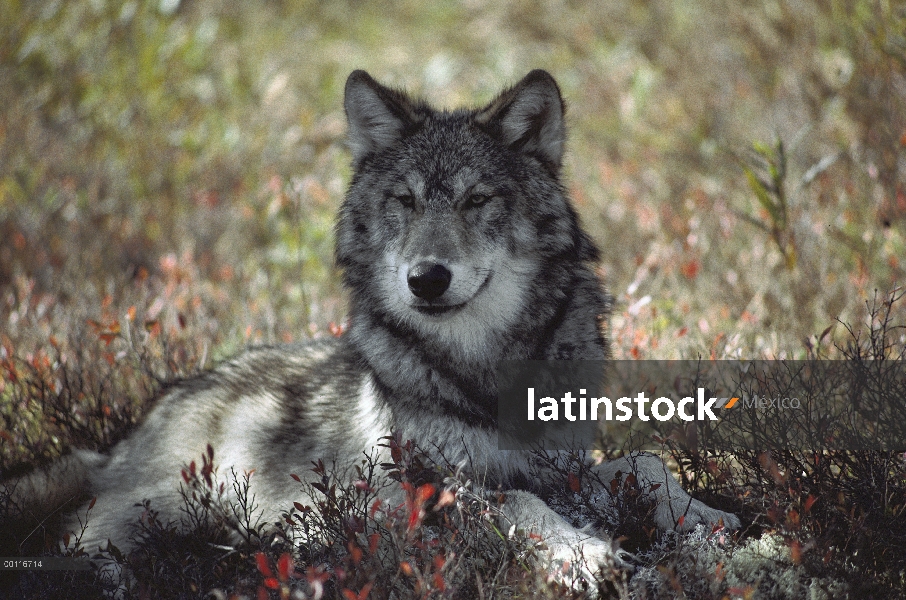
178	164
170	171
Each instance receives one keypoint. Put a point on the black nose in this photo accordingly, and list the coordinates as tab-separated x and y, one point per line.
429	280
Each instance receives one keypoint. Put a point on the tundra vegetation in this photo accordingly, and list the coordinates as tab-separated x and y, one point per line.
169	175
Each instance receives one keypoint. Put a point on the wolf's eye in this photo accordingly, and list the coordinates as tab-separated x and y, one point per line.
476	200
406	200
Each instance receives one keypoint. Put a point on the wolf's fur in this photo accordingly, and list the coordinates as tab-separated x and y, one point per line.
459	248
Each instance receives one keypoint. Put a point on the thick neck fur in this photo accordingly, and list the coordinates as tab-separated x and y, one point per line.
417	373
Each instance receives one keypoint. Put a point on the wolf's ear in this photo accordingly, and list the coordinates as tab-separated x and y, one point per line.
529	118
378	116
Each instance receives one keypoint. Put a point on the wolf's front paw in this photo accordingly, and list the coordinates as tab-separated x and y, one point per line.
684	515
581	565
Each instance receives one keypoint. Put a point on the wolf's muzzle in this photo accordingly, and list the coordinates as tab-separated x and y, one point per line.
429	280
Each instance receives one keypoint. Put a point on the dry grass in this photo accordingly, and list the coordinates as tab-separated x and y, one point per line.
169	172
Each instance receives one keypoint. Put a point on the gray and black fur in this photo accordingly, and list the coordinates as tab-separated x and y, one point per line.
459	248
416	174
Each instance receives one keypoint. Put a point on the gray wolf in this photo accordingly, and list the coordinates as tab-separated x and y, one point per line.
459	248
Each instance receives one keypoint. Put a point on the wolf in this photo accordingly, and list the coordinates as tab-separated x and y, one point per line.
459	248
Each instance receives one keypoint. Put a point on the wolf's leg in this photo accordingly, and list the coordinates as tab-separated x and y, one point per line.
111	519
47	490
585	553
44	491
672	501
116	518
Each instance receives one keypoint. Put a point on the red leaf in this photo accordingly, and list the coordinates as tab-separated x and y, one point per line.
263	567
153	327
425	492
91	504
355	551
361	595
285	566
690	269
296	477
681	520
413	520
809	502
574	483
795	552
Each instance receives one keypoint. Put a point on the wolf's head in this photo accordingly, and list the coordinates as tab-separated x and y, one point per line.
455	221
